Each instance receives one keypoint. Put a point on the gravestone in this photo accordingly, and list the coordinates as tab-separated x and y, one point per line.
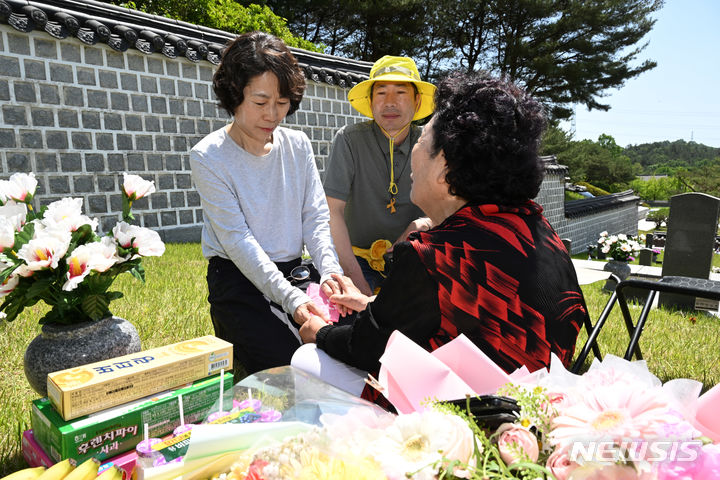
645	256
649	240
690	242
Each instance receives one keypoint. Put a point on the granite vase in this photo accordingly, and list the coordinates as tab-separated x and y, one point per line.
61	346
619	268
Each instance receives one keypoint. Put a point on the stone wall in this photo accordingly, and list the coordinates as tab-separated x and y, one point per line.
79	115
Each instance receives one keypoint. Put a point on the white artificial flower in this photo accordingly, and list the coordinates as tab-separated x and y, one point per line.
45	250
95	256
606	249
15	212
9	284
66	214
604	233
613	238
625	247
19	187
622	237
7	233
146	241
136	187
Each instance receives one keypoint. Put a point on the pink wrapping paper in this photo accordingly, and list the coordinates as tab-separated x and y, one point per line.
707	419
322	302
410	375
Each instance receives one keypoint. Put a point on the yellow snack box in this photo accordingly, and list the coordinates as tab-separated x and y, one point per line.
96	386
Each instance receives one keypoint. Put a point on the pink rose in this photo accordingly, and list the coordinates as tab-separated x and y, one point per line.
516	443
559	463
559	400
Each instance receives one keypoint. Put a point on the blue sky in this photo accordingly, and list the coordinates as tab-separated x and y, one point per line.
678	99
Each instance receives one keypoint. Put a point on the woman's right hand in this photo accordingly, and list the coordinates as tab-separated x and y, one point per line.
351	298
306	311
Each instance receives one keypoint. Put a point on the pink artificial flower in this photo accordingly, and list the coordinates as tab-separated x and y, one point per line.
705	467
560	464
609	472
516	443
560	400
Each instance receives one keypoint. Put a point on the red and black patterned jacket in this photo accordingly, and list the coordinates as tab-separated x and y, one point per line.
499	275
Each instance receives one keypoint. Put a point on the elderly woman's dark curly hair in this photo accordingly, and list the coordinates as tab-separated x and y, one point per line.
252	54
489	130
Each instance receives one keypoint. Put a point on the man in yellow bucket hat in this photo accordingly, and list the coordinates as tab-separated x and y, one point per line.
367	182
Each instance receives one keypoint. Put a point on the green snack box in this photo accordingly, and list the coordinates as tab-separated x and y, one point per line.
110	432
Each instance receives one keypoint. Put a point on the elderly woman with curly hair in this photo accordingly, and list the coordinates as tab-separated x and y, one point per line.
262	200
493	268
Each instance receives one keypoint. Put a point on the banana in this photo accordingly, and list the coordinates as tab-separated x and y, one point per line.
108	474
59	470
31	473
119	474
85	471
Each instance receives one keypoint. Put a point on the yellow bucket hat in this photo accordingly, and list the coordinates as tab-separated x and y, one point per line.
393	69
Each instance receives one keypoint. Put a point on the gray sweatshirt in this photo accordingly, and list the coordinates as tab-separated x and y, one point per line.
260	210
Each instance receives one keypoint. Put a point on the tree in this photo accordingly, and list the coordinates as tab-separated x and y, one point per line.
225	15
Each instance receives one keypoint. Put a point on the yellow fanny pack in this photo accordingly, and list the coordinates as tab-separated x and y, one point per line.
374	254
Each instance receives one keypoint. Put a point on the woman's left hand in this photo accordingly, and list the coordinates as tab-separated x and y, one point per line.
331	287
307	311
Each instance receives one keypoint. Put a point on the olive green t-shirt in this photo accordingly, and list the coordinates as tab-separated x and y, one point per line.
358	173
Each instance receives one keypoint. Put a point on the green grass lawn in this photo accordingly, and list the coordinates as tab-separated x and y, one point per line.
172	306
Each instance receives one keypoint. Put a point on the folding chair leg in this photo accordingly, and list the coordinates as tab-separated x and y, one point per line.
593	334
633	346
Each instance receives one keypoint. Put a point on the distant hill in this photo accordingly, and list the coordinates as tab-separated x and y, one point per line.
663	157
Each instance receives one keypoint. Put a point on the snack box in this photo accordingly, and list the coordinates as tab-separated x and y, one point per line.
108	433
97	386
35	456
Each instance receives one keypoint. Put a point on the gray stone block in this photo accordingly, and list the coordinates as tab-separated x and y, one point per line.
158	104
124	142
183	180
148	85
59	185
116	162
70	162
81	140
136	162
202	91
172	162
180	144
199	215
33	69
4	90
45	48
31	139
42	117
169	125
116	203
173	70
49	94
91	120
152	124
119	101
154	162
86	76
108	79
184	89
104	141
61	73
7	138
83	184
143	142
203	127
68	119
186	217
182	234
162	143
133	123
166	182
155	65
25	92
46	162
139	103
94	162
193	199
187	126
56	139
115	59
70	52
177	199
128	81
73	96
108	222
93	56
177	107
209	110
192	108
18	162
168	218
136	62
18	43
106	183
9	66
112	121
167	86
159	200
150	220
97	203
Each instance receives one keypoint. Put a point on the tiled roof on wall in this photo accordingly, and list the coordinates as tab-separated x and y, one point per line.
587	206
120	28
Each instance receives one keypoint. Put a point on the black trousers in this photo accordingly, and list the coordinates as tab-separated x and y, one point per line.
262	334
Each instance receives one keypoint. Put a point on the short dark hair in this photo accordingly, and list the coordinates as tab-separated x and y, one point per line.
372	87
252	54
489	130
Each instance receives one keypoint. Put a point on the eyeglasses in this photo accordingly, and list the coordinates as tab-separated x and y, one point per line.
299	273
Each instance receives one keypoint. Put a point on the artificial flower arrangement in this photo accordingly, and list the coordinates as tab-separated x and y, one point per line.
55	254
620	247
615	422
